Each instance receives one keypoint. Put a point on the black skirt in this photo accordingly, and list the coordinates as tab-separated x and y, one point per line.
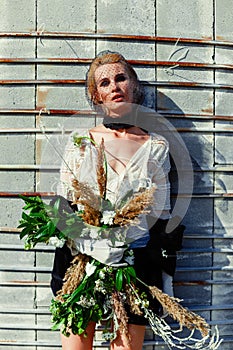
149	262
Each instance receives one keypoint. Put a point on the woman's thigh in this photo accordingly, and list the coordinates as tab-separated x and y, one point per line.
137	334
79	342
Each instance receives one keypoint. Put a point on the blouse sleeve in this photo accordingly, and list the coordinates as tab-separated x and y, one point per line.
159	168
72	159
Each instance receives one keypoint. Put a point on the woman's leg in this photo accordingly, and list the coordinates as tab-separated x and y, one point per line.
137	334
79	342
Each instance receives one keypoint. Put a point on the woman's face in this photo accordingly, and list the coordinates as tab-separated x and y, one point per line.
115	88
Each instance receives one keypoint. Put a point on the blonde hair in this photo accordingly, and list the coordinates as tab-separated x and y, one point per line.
106	57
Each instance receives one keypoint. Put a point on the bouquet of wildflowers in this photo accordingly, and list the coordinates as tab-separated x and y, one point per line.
96	290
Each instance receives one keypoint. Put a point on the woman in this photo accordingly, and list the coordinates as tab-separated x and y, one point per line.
132	155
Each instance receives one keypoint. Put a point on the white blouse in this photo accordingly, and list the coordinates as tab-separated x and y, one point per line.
149	166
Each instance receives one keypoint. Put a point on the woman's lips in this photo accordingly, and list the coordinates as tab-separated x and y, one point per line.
118	98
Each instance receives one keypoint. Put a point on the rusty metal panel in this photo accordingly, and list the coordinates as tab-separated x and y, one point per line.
192	17
137	19
182	53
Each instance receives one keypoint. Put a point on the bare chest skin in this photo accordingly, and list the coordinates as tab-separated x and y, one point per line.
120	145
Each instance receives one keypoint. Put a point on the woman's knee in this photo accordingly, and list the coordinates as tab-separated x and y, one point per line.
133	342
79	342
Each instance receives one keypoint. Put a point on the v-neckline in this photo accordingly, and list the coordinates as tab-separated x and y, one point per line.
129	162
122	174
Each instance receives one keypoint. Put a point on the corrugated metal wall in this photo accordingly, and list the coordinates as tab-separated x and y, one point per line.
183	51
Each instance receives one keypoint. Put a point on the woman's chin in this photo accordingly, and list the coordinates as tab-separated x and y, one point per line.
118	109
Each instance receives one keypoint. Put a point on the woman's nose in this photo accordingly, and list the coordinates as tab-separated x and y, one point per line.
114	86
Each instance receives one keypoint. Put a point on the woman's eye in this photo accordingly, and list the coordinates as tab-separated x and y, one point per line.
120	78
104	83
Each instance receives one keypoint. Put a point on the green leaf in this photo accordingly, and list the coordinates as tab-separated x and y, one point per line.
28	218
127	276
27	199
56	205
36	214
22	224
131	271
25	216
32	200
70	221
107	205
119	279
24	232
125	199
51	228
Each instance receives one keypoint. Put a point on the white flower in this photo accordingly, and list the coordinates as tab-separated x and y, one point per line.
129	260
58	243
101	274
90	269
94	233
107	217
99	287
84	302
85	232
145	303
90	232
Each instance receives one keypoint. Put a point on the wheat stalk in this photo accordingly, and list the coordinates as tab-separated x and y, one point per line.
101	170
138	204
121	315
85	196
73	276
179	313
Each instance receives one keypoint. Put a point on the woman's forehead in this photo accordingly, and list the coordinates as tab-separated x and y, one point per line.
109	69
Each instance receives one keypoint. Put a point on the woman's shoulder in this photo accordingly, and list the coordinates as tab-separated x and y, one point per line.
158	139
76	138
159	149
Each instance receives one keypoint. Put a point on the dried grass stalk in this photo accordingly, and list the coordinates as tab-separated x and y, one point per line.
73	276
179	313
91	216
138	204
131	300
121	316
84	195
101	173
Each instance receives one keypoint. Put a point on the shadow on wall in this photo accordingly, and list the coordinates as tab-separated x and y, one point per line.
185	175
190	152
201	217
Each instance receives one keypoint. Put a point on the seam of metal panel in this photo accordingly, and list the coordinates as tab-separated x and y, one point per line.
45	309
161	84
53	131
91	113
109	36
29	269
229	195
145	63
194	250
189	235
99	344
25	167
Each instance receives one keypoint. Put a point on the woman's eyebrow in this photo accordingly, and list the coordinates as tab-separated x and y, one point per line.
99	80
103	78
120	74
